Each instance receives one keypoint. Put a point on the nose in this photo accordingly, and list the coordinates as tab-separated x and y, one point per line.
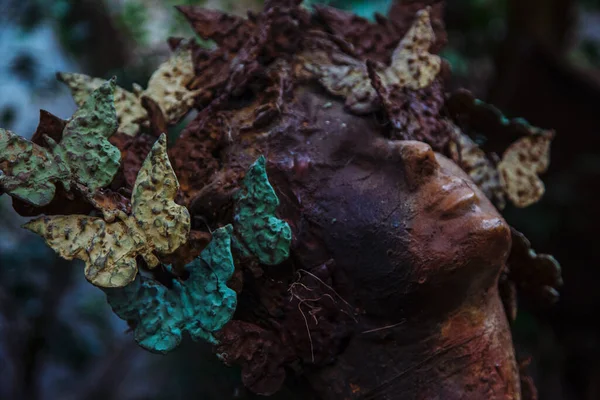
419	161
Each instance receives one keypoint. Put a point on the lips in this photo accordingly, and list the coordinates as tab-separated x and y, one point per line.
458	202
453	199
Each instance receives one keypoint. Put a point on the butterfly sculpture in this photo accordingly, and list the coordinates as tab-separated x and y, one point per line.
200	305
83	157
109	249
258	231
412	67
166	87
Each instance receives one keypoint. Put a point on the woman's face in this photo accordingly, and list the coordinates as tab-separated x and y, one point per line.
405	225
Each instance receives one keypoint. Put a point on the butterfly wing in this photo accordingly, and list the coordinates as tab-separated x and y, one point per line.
107	249
28	172
262	233
201	305
130	112
168	85
521	163
165	223
412	64
92	159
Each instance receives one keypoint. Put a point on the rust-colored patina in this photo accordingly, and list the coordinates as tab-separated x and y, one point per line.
400	281
392	287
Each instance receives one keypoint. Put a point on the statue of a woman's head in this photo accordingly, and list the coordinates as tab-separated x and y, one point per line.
389	287
396	255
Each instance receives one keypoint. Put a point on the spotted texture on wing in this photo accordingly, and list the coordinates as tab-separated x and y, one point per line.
109	249
83	156
412	64
130	112
200	305
166	223
522	151
166	87
261	232
412	67
467	155
28	172
520	166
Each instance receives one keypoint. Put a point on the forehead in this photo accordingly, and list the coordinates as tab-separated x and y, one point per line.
319	126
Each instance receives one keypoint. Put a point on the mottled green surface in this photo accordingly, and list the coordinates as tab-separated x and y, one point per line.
200	305
260	231
84	155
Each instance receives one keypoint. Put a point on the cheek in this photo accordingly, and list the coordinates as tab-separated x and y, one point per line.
364	229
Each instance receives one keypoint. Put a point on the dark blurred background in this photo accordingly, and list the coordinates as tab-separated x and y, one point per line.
537	59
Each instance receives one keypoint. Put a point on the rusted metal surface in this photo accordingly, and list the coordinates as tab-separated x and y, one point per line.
398	261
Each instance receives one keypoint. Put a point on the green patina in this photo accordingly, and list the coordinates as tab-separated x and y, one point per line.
200	305
83	156
504	121
259	230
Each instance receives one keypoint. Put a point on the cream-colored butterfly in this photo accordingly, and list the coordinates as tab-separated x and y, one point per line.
166	87
109	249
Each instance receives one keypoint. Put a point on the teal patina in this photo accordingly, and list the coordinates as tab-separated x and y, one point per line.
200	305
260	232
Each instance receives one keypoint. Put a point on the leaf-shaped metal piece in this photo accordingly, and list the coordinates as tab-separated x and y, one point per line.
200	305
109	249
260	231
166	87
412	67
83	156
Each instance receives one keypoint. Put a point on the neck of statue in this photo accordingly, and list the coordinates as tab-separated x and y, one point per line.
466	355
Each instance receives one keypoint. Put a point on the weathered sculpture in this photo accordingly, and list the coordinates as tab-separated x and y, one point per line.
369	258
